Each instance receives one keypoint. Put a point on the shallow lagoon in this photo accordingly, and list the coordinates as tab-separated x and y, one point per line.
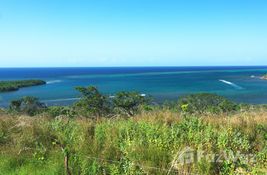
241	84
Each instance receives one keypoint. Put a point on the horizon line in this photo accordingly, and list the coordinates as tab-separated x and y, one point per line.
130	66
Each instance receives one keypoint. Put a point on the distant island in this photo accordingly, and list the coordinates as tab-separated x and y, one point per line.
7	86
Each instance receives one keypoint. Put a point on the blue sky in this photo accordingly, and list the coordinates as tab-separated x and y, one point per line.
52	33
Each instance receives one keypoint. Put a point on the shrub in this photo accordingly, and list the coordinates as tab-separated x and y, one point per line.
128	102
92	102
3	132
66	137
55	111
200	103
27	105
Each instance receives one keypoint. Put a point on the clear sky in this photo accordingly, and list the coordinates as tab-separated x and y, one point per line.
86	33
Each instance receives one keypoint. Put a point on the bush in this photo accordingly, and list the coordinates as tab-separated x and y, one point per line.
27	105
66	137
55	111
92	102
201	103
128	102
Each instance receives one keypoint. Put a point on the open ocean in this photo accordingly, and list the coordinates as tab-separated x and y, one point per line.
241	84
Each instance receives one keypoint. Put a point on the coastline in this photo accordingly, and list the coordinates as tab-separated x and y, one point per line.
15	85
158	82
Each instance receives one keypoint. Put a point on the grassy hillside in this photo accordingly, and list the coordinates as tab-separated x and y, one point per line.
147	143
6	86
199	134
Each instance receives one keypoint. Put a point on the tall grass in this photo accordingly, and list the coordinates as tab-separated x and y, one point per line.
147	143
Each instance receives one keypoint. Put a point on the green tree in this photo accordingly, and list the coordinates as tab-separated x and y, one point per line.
204	102
27	105
92	102
15	105
6	86
129	102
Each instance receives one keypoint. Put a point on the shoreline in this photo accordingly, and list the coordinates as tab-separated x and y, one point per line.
15	85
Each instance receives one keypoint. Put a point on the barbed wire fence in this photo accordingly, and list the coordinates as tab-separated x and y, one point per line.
165	170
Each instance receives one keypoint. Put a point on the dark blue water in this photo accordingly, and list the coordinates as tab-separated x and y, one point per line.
241	84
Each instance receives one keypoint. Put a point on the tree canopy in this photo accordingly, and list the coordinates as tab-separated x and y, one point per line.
129	102
204	102
6	86
27	105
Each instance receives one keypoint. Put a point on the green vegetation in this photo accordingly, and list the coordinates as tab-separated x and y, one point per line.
201	103
264	77
6	86
92	102
27	105
55	111
144	144
127	135
129	102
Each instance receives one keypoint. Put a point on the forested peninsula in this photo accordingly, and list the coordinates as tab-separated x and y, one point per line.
7	86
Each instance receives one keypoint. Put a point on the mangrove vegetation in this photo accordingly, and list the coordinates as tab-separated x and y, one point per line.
7	86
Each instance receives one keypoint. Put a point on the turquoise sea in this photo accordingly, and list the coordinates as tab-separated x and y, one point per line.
241	84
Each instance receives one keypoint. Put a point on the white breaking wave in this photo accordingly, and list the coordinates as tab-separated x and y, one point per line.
53	81
73	99
63	99
142	95
231	84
